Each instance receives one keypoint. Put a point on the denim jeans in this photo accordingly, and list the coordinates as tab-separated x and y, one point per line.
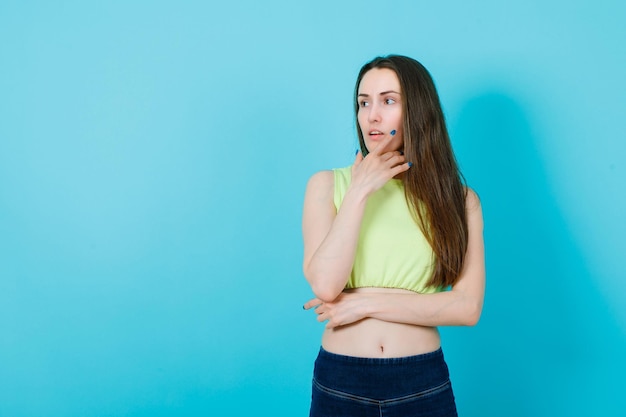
346	386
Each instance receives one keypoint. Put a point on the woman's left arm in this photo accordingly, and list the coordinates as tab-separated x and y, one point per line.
461	306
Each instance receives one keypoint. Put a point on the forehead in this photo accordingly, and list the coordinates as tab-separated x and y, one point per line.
379	80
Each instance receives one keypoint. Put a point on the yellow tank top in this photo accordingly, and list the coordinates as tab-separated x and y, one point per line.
392	251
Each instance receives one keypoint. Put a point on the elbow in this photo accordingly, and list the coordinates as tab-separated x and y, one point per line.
472	314
326	289
471	320
325	293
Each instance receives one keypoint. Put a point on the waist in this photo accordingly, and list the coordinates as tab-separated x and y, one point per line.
372	338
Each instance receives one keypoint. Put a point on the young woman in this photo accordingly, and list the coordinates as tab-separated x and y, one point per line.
393	248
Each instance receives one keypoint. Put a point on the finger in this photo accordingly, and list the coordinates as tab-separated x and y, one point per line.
314	302
321	318
357	161
383	144
399	157
331	324
358	158
398	169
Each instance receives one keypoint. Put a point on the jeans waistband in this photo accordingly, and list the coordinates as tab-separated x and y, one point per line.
381	377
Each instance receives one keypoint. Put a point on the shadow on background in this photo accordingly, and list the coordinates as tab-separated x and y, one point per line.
547	343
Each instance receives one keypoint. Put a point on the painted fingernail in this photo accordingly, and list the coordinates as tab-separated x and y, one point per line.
393	132
410	164
356	152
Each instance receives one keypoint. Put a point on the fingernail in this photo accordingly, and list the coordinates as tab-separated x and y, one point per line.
357	151
410	164
393	132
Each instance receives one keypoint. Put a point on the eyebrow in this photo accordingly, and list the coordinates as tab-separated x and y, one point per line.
382	94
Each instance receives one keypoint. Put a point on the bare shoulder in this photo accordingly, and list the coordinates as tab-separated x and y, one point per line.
472	201
474	211
322	177
321	184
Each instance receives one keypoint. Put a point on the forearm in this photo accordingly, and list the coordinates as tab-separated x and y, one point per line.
450	308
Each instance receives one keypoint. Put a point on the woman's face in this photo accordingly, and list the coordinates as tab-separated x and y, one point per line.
380	108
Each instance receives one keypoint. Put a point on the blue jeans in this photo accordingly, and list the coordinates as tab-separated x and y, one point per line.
389	387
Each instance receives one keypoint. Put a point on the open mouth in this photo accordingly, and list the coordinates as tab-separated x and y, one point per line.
376	135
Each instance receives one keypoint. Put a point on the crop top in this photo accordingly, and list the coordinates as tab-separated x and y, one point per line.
392	251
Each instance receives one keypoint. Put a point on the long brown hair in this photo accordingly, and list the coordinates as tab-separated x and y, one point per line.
435	187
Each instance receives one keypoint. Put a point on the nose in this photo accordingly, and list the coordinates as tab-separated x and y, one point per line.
374	113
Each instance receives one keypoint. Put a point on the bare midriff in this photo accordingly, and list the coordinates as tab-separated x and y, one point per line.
373	338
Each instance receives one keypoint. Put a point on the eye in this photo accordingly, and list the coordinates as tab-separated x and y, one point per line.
364	103
390	101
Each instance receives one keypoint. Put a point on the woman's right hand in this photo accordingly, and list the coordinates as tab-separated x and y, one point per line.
371	172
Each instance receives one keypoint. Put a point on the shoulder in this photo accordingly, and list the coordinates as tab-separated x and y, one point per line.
329	177
319	196
321	179
321	185
472	201
473	209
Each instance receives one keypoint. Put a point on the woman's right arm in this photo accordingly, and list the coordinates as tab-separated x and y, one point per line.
331	236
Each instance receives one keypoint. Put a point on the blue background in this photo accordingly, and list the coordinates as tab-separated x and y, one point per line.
153	160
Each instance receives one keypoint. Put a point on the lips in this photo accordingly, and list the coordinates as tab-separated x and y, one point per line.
376	135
